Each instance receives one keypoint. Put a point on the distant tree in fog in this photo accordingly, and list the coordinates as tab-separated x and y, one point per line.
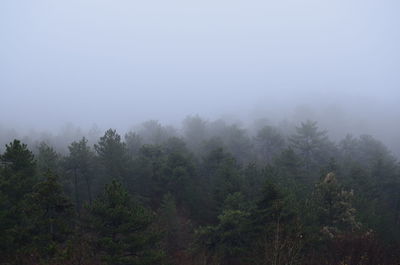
269	142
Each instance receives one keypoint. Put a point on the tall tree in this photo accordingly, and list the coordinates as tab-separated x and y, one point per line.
50	214
269	142
113	156
275	228
18	172
47	159
17	178
80	164
312	145
195	132
335	212
122	228
149	168
133	143
152	132
169	222
221	176
228	241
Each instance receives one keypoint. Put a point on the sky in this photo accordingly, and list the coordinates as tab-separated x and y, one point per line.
118	62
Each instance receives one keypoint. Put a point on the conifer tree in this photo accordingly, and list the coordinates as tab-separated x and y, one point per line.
17	177
47	159
122	229
269	142
335	212
169	222
275	229
50	217
312	145
113	156
79	163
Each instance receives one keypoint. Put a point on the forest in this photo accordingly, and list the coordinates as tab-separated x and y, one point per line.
211	192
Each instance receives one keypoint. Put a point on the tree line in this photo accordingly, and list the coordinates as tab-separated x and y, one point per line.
213	195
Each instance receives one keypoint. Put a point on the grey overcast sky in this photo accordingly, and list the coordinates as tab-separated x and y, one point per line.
114	62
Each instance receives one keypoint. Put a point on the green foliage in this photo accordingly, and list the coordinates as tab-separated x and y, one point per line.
264	233
237	200
47	159
149	168
312	145
50	216
222	175
133	143
113	156
276	229
80	165
228	240
152	132
122	228
237	143
170	225
19	169
17	177
178	173
270	208
335	212
253	179
195	132
269	143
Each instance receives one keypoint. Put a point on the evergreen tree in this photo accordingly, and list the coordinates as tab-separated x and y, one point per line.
237	143
275	229
17	178
152	132
312	145
47	159
195	132
169	222
335	212
122	229
178	174
269	143
133	143
253	179
50	217
229	240
149	168
113	156
221	177
80	164
19	169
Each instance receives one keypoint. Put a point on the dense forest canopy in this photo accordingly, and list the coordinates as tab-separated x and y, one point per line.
290	154
210	192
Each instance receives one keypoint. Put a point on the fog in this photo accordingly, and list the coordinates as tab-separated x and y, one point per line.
119	63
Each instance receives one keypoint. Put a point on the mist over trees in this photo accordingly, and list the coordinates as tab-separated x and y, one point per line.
208	192
199	132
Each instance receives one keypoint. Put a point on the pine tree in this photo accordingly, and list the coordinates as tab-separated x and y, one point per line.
229	240
113	156
122	229
275	229
17	177
18	171
269	142
50	216
335	212
80	163
133	143
312	145
170	224
222	176
47	159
